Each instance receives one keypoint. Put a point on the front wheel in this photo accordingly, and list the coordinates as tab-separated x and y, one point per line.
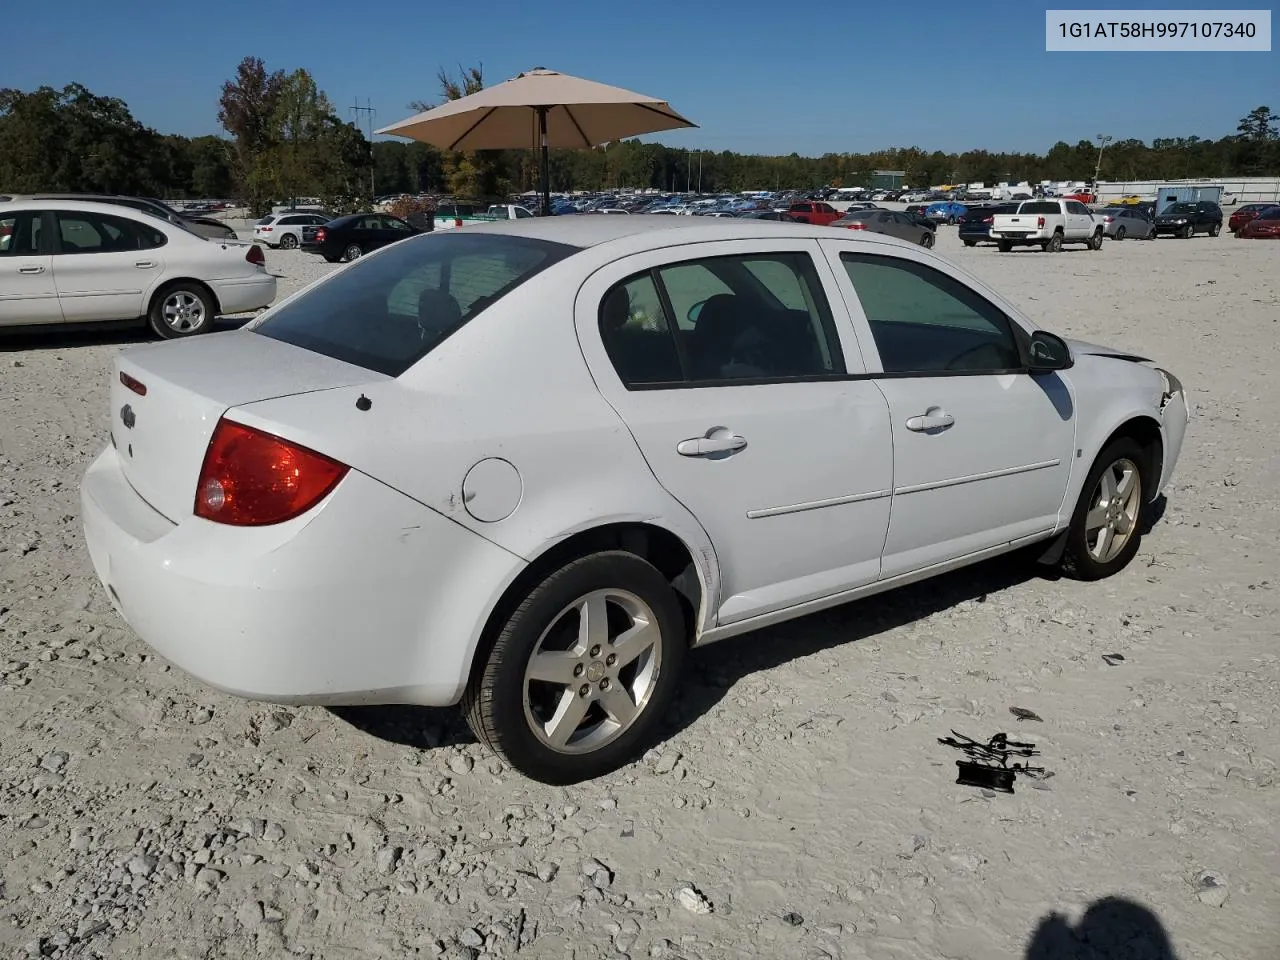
1186	232
1095	241
181	310
926	240
581	673
353	252
1106	530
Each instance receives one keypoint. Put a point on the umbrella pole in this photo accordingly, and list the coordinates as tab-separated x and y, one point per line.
546	166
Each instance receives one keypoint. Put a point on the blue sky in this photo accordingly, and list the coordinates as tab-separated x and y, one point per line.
757	77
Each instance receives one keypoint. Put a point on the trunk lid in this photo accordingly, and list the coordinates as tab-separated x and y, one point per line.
162	436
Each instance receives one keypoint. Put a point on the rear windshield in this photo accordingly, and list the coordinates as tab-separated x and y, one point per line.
1040	206
389	311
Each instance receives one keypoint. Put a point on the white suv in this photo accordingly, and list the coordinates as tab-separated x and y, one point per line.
285	229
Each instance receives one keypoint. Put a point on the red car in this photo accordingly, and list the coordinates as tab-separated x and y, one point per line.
821	214
1265	225
1242	215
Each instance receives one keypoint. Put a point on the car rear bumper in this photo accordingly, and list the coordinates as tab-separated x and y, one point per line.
369	598
244	294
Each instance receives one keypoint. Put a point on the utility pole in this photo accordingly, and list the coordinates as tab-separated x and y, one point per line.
371	112
699	172
1103	139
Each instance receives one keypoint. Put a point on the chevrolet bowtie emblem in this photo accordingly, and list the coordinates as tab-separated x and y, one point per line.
127	417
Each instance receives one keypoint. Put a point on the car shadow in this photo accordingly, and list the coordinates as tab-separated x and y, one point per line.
711	672
1112	928
63	336
422	728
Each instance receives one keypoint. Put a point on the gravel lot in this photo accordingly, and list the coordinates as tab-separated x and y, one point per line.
801	797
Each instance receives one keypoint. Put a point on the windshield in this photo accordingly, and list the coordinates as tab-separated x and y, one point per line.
1182	208
388	312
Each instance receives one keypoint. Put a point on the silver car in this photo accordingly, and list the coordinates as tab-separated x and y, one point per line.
889	222
1120	222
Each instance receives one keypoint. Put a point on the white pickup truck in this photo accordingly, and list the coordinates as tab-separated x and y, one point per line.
1047	224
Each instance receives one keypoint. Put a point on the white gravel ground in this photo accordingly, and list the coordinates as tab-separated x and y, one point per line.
801	807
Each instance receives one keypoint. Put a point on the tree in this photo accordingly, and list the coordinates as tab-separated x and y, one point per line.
480	173
1259	125
248	110
301	125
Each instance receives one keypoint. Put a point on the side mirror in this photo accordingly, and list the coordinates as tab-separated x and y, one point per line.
1048	352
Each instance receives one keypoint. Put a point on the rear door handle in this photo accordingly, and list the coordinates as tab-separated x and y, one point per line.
31	268
706	446
144	263
933	419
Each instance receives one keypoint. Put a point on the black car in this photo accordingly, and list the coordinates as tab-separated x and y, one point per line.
769	215
975	226
1187	218
350	237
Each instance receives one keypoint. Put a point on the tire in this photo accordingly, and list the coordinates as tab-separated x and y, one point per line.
970	243
181	309
1004	246
1187	232
1215	229
512	712
352	252
288	242
1119	233
926	240
1095	241
1086	556
1054	243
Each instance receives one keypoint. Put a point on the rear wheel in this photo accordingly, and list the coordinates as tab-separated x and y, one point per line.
926	240
181	310
1004	246
288	242
1119	233
583	670
970	243
1054	243
1215	229
1105	530
353	252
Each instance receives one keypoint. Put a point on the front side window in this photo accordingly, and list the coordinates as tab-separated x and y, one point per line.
926	322
387	312
399	226
756	317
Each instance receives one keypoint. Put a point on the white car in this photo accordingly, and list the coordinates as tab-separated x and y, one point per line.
526	466
70	261
284	230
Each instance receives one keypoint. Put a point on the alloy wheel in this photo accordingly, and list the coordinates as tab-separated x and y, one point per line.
1113	511
593	671
183	311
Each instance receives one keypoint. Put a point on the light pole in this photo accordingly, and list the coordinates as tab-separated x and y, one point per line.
1103	139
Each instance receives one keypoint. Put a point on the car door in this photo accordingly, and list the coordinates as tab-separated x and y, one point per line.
982	450
28	293
1079	219
730	365
104	265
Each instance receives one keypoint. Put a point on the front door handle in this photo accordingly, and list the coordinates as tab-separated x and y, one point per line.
144	264
31	268
935	418
717	441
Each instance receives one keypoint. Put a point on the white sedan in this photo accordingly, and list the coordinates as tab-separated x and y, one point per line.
527	465
73	261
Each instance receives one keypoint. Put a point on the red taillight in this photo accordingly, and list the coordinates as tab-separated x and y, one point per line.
251	479
1108	219
857	226
255	255
320	235
265	229
988	219
137	386
1039	221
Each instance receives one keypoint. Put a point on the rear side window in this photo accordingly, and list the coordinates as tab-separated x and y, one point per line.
389	311
20	234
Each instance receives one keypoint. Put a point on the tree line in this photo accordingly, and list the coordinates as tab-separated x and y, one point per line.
284	139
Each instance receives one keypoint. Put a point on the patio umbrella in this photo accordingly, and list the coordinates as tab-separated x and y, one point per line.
542	108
